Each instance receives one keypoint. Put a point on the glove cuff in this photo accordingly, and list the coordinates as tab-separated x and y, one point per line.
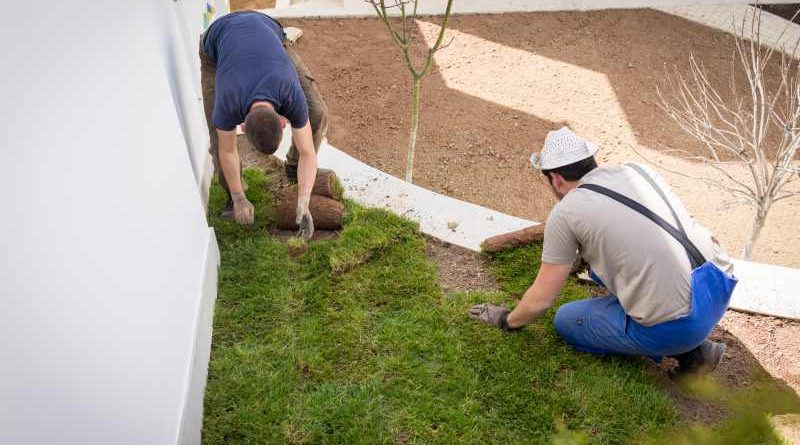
503	323
238	196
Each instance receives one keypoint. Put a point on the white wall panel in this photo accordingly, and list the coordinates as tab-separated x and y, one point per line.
103	240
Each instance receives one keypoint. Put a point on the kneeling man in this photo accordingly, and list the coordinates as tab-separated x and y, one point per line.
669	280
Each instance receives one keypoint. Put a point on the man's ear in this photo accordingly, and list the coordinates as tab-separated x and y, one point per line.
556	180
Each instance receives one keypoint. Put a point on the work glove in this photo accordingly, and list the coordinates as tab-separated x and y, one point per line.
243	211
304	219
491	314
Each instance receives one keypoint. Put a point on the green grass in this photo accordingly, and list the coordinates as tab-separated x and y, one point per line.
355	343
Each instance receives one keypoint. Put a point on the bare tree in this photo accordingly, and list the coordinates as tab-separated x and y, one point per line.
403	35
756	128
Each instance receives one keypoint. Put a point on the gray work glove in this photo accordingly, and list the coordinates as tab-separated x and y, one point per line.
243	211
304	219
491	314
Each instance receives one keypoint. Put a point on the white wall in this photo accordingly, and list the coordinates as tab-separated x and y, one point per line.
182	22
183	69
106	259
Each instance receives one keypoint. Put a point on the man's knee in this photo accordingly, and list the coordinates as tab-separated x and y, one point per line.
568	317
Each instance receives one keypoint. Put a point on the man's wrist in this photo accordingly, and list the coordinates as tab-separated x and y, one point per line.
503	323
238	196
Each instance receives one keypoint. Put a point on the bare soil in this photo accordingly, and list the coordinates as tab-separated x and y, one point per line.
774	342
238	5
505	81
460	270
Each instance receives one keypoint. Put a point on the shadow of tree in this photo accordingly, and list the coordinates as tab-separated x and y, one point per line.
632	48
467	146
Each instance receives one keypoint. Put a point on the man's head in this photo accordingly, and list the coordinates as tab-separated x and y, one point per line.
564	160
263	127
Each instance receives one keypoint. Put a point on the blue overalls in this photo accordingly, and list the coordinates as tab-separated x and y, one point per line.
601	326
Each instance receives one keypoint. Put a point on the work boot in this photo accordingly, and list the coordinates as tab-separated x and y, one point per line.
702	359
291	172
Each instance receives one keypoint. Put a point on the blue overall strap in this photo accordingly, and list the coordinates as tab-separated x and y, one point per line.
660	192
695	257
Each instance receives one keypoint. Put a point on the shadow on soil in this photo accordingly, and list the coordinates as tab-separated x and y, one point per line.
632	48
462	139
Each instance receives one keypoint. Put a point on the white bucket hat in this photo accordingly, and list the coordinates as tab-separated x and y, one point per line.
562	147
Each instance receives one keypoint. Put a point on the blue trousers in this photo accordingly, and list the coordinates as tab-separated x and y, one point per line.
601	326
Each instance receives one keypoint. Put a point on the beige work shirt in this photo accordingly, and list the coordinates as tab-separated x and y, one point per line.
638	261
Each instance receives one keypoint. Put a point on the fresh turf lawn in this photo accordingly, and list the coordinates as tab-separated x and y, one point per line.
355	343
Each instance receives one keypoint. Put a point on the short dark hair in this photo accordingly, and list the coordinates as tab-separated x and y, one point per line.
263	127
574	171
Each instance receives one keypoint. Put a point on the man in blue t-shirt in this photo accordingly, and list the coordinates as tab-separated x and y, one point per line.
250	77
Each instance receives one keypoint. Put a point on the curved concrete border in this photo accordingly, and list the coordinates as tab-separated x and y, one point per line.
766	289
762	289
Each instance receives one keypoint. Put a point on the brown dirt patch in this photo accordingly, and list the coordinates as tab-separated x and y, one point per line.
692	409
463	145
238	5
509	78
757	346
747	360
773	342
460	270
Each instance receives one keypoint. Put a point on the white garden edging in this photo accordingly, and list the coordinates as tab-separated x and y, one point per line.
766	289
762	288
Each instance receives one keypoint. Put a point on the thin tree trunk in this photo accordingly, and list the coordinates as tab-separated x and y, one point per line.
759	219
412	139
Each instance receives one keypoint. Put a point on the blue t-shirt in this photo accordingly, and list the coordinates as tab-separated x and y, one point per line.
252	65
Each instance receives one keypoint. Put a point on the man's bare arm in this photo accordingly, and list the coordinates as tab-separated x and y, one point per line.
306	175
307	170
229	160
541	295
243	211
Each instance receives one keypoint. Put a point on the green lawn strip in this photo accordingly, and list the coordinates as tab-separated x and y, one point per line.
367	234
306	350
749	409
612	399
